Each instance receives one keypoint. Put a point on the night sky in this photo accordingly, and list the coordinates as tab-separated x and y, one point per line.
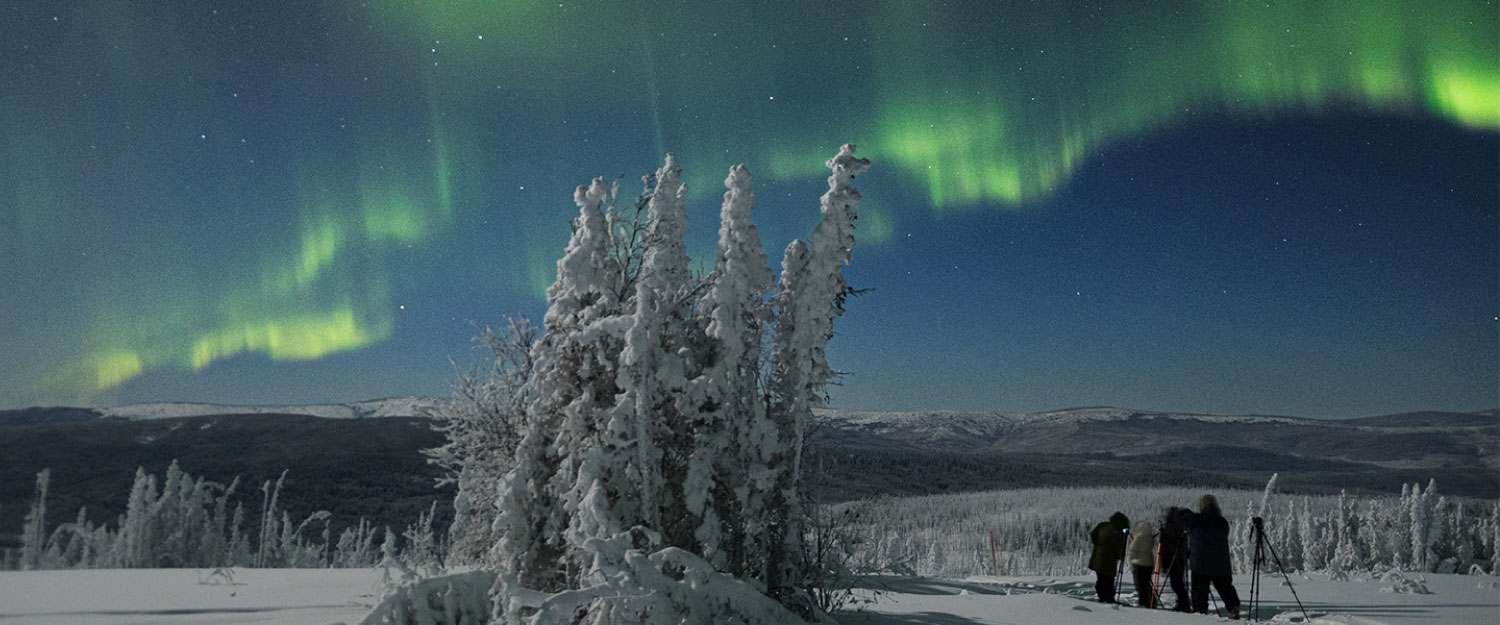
1232	207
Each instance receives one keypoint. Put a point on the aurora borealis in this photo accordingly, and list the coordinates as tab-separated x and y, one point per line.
1236	207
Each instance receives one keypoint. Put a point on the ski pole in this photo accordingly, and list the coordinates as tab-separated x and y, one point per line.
1155	577
994	565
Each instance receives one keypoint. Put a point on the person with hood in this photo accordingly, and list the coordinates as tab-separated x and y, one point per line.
1174	557
1109	548
1141	551
1208	556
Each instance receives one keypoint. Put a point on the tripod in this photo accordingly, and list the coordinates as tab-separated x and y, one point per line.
1119	572
1262	547
1178	553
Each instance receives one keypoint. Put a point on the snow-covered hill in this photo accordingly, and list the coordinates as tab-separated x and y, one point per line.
371	409
1000	432
929	452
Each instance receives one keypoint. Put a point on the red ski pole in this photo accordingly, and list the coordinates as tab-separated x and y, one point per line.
994	565
1156	577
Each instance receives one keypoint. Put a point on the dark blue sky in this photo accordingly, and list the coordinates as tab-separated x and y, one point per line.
1311	266
1283	208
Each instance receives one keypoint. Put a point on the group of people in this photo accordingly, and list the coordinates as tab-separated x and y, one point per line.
1188	541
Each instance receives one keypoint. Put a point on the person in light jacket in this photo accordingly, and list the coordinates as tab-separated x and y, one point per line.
1140	550
1109	548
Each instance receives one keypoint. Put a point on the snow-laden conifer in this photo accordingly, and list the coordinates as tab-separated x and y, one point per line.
672	415
1346	555
727	474
563	394
33	533
1314	555
655	364
648	424
812	292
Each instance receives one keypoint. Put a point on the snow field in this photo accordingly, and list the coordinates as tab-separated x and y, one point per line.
187	596
327	596
990	600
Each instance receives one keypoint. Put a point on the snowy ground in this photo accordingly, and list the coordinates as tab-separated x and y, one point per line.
1454	600
312	597
187	597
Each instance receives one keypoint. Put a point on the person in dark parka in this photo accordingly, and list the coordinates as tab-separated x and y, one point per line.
1109	548
1174	557
1208	556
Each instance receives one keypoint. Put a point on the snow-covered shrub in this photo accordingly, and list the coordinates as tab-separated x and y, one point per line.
626	584
841	550
356	547
424	551
182	521
454	599
482	428
1403	584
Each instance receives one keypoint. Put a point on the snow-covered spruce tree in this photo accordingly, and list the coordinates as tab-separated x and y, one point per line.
571	388
727	478
34	532
1346	555
812	293
1423	527
659	357
137	531
1313	531
657	473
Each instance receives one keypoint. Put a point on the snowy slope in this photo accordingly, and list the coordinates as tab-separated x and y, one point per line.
371	409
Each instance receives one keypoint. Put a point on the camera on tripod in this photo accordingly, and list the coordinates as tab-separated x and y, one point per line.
1263	548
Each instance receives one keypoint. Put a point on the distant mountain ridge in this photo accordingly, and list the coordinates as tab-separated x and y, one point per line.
416	406
978	431
364	458
939	451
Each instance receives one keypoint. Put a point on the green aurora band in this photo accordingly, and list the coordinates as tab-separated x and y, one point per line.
988	104
1010	117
